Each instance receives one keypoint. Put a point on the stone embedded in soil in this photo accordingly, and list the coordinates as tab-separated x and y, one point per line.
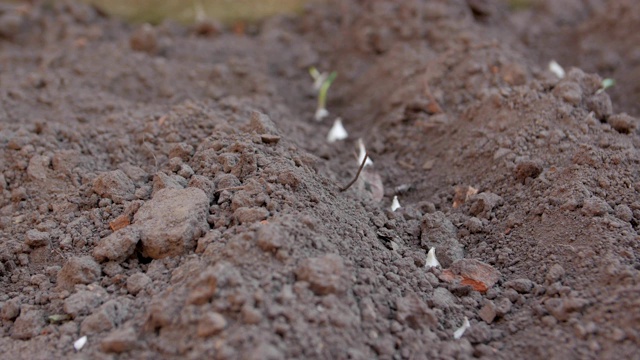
78	270
412	311
269	237
144	39
83	302
595	206
623	212
210	324
527	169
623	123
137	282
326	274
164	181
522	286
118	246
488	312
503	306
114	185
482	204
28	324
561	308
171	221
119	341
555	273
203	183
439	232
35	238
246	215
203	287
600	104
478	275
109	315
569	91
10	309
262	124
37	169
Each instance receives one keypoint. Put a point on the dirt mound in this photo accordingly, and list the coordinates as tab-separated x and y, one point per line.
169	194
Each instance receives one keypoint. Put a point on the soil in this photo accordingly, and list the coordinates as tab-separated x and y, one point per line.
167	193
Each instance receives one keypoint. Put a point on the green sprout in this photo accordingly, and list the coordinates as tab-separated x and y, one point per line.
606	83
322	82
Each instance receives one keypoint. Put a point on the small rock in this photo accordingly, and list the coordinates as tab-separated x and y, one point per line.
443	299
624	213
137	282
527	169
171	222
203	183
412	311
555	273
119	341
164	181
114	185
569	91
83	302
561	309
28	324
37	169
474	225
109	315
262	124
210	324
118	246
522	286
269	238
269	138
600	104
78	270
250	315
203	287
482	204
503	306
144	39
623	123
10	309
246	215
181	150
325	275
478	275
35	238
595	206
488	312
135	173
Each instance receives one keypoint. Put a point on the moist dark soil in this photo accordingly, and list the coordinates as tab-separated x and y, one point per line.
167	193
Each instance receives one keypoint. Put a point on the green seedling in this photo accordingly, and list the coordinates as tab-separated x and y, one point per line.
606	83
322	82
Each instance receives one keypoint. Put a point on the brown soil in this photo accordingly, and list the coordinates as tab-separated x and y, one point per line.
167	193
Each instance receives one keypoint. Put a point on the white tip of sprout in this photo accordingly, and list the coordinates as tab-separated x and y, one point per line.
80	343
321	114
361	153
337	132
460	331
431	259
555	68
318	80
395	204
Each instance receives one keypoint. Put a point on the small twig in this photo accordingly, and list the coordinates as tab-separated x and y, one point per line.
364	161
